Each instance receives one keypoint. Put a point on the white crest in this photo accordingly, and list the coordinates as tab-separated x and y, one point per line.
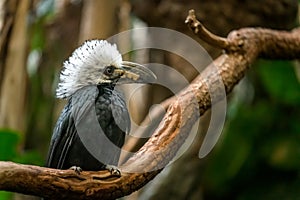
85	66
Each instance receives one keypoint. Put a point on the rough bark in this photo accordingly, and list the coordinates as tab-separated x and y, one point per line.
242	47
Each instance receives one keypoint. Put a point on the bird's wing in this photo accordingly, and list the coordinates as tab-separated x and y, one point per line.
61	140
76	118
79	118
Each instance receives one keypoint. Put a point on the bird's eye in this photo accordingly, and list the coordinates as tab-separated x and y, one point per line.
109	70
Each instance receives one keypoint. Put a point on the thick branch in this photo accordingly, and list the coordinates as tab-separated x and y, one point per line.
242	48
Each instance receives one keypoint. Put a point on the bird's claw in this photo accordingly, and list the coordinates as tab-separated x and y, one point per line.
76	169
113	170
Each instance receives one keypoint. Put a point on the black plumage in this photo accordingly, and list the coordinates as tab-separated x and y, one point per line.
91	129
67	149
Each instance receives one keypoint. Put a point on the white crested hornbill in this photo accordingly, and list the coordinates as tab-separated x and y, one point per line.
91	129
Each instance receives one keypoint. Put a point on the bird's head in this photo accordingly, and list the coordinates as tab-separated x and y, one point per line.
99	62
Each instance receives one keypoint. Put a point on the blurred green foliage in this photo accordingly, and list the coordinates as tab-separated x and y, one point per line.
258	156
10	150
279	80
9	141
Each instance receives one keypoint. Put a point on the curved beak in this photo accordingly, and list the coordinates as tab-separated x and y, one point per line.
136	73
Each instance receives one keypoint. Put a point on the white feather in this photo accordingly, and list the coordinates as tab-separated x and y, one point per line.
85	66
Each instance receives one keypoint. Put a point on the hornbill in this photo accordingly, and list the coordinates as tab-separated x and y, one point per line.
91	129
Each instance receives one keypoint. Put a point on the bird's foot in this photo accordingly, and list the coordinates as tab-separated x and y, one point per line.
113	170
76	169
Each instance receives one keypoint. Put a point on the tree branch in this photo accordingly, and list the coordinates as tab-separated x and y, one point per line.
204	34
242	47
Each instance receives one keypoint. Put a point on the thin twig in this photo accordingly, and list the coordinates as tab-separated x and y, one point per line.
198	28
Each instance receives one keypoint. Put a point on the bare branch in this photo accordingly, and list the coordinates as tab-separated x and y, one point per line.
242	47
204	34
